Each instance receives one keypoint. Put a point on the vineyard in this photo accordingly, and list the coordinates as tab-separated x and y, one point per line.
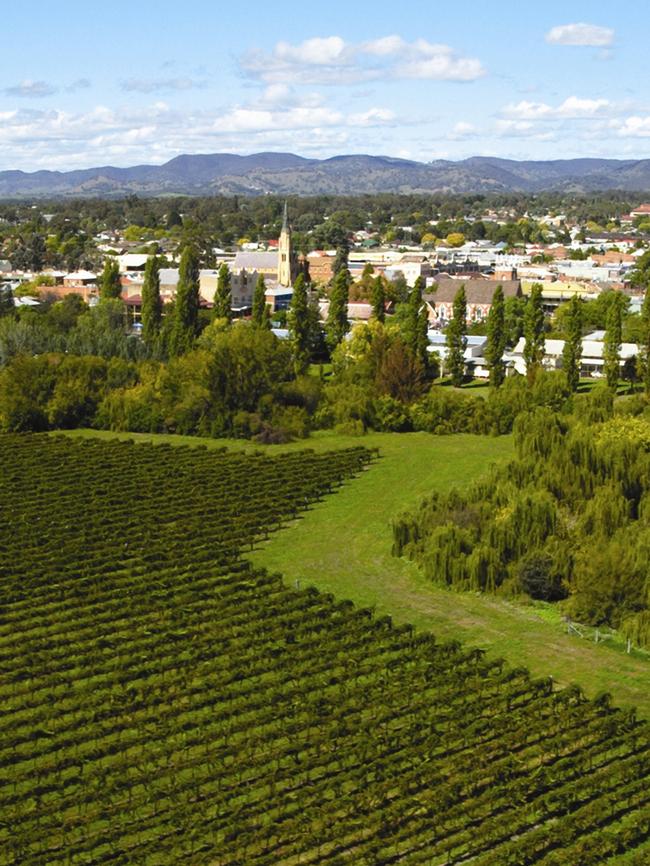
163	702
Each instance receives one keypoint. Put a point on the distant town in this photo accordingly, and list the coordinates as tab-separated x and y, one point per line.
591	247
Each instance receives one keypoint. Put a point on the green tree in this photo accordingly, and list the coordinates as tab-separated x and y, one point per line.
572	352
151	302
184	325
457	339
222	308
416	323
259	302
341	261
645	341
534	332
110	286
612	343
299	324
378	299
496	338
6	301
337	324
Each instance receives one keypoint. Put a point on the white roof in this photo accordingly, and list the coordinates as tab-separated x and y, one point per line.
81	275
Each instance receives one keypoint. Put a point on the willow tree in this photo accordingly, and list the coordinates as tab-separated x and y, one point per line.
185	317
457	339
151	302
572	352
496	338
534	332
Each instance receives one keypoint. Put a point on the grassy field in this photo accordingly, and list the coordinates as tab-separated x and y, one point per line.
343	545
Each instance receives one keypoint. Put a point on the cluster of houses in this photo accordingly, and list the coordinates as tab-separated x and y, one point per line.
480	266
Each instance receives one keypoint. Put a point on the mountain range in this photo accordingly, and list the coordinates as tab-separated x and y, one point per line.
288	174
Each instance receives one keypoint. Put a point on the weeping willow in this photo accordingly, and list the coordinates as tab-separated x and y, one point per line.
568	518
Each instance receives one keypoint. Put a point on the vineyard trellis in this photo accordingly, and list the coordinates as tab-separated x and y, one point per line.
163	702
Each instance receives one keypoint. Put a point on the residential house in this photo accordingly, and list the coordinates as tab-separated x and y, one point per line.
479	294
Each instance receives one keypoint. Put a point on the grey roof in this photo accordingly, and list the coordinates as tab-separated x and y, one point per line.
476	291
256	261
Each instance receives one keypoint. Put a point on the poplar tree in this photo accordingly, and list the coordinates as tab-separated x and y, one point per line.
378	299
341	262
299	325
534	332
259	302
572	352
337	324
222	304
612	342
457	339
416	325
496	338
110	285
151	303
184	326
645	340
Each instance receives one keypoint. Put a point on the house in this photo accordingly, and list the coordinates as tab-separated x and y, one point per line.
475	362
479	294
591	361
357	312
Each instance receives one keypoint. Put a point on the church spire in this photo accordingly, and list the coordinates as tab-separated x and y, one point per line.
285	253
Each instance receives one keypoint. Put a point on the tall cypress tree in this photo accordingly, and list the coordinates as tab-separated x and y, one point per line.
151	303
645	340
341	261
186	306
299	324
259	301
534	332
110	286
457	339
337	324
496	338
572	352
222	308
612	342
416	325
378	299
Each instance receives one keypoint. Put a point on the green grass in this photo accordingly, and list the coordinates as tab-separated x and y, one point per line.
343	545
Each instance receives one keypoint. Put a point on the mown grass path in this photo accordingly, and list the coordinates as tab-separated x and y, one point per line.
343	545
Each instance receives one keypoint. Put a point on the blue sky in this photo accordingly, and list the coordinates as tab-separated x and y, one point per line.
84	84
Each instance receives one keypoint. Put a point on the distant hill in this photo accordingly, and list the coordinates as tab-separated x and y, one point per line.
288	174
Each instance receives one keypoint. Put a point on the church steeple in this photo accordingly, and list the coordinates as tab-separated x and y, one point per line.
285	254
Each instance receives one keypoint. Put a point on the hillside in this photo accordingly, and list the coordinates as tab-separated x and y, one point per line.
286	173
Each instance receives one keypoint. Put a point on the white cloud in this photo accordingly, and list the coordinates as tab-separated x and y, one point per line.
330	60
372	117
635	127
572	107
153	85
462	129
580	34
31	138
31	89
327	51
